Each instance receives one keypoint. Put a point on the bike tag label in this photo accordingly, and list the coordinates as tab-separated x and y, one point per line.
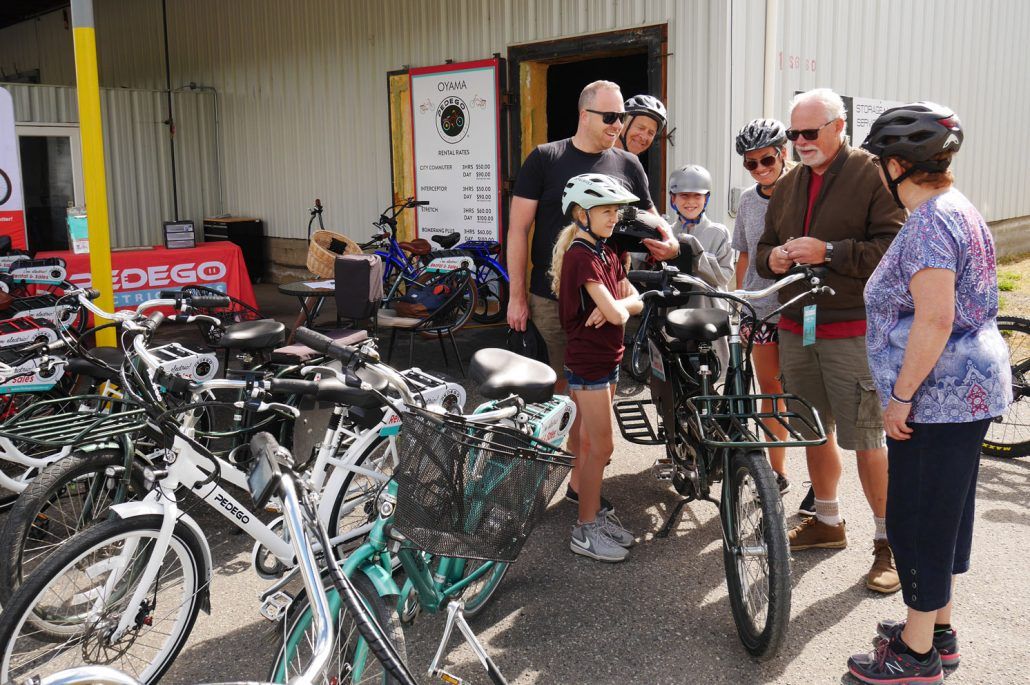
657	365
808	334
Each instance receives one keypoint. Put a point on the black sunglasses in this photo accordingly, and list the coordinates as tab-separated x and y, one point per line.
610	118
807	133
752	164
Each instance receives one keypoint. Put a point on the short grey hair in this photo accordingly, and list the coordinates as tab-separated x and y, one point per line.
589	92
831	102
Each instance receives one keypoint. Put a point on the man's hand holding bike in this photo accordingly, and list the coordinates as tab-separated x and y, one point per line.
518	311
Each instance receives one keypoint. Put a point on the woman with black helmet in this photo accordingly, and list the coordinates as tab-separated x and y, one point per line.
647	120
941	370
763	145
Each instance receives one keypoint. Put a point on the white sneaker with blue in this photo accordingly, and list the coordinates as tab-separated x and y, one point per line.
592	540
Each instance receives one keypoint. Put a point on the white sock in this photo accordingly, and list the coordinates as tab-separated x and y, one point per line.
881	528
827	511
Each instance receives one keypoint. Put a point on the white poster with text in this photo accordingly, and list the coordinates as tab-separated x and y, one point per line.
12	206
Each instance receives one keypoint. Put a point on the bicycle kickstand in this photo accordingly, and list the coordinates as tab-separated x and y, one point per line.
673	517
455	616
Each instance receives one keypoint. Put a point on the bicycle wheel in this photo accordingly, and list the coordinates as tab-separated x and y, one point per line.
479	592
1009	434
351	661
355	504
492	294
65	613
757	557
64	499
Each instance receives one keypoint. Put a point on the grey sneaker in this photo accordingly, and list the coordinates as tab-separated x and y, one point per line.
592	540
613	527
782	483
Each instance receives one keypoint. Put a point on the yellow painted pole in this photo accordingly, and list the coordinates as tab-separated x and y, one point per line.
94	175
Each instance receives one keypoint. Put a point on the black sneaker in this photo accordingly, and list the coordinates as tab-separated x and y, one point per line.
807	507
944	641
782	483
573	496
886	665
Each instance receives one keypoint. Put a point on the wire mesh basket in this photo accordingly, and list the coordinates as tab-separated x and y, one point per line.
472	490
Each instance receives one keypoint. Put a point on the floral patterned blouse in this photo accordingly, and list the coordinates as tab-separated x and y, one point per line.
972	378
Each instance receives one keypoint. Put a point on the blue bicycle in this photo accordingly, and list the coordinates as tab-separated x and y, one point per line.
492	282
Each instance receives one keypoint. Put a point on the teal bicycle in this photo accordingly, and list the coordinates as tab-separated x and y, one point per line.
463	501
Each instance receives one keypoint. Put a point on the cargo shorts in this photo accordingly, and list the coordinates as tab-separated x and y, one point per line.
833	375
544	313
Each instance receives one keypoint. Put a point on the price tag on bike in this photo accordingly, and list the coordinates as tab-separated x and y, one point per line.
808	323
657	365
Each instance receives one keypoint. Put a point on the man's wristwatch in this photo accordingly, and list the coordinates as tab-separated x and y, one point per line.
829	253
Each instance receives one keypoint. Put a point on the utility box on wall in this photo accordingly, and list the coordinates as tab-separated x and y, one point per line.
248	233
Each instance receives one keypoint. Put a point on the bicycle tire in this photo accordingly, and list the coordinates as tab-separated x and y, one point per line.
7	187
1009	435
93	551
346	639
752	490
478	594
361	492
39	515
492	286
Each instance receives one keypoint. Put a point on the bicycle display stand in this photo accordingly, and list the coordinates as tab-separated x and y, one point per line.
635	425
743	426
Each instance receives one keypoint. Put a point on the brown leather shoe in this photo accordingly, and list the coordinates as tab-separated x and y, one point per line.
883	576
814	533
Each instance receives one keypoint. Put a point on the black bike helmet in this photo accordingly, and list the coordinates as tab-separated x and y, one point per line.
917	133
761	133
649	106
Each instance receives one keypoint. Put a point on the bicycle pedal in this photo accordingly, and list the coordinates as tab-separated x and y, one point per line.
275	607
663	469
448	678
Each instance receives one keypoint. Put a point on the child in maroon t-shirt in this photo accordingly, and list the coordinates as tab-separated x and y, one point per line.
594	302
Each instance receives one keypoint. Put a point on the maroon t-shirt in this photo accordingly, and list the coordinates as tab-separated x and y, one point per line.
591	352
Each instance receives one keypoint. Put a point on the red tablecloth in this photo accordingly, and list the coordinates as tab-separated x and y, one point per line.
141	274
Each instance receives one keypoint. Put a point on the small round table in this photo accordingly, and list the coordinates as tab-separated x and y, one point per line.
311	301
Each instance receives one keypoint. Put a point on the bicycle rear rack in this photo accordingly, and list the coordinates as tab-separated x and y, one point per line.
737	421
73	428
635	425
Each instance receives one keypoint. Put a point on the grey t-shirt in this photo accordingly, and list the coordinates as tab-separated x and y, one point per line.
747	229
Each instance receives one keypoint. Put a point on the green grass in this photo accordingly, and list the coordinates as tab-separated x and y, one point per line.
1007	281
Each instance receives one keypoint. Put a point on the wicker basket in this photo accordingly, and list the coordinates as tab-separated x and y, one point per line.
321	258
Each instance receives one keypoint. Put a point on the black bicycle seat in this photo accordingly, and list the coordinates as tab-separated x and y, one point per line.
707	323
501	373
92	363
447	241
253	335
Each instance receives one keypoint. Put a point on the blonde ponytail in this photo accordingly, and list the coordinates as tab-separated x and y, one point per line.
561	246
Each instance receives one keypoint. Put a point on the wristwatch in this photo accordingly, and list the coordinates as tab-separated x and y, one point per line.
829	253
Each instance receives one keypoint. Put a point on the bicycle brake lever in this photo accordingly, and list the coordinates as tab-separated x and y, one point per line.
323	370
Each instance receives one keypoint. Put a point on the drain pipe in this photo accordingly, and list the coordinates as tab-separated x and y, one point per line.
170	122
772	11
194	86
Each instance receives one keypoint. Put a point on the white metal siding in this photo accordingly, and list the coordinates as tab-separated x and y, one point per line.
137	153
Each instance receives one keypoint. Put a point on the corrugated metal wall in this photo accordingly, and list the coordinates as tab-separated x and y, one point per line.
302	85
137	153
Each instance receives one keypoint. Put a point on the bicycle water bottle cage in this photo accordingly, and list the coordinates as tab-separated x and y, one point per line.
708	324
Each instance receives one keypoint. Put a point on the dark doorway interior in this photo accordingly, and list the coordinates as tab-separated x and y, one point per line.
565	81
46	167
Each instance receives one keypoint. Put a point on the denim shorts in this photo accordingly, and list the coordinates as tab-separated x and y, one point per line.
577	382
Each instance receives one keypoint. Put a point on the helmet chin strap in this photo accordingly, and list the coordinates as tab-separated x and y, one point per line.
598	240
685	220
894	183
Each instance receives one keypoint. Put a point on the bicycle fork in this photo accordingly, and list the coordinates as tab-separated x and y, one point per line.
455	616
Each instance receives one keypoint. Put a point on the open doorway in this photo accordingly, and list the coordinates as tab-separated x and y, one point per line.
51	168
550	76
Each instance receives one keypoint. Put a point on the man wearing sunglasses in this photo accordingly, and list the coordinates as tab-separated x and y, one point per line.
537	201
832	210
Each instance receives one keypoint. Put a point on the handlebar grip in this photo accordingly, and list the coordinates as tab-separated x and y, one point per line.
210	301
292	386
172	295
313	339
421	203
91	294
647	278
264	444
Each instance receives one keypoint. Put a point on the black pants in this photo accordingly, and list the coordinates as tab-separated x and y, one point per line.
931	496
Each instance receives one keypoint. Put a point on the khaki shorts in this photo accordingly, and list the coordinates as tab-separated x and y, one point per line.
544	313
833	375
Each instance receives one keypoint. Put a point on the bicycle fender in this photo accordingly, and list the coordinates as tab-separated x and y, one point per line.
127	510
381	579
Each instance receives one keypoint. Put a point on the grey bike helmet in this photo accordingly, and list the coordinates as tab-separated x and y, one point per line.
692	178
594	190
647	105
761	133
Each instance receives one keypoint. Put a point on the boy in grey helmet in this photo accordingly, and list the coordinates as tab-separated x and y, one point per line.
690	189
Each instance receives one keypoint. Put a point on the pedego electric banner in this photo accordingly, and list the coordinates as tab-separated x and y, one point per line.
12	203
455	124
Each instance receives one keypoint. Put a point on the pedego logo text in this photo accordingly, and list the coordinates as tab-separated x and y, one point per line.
160	275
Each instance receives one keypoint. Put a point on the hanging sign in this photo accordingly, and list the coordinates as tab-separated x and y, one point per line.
455	113
864	111
12	203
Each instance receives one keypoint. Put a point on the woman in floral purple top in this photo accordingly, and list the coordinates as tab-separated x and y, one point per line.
941	369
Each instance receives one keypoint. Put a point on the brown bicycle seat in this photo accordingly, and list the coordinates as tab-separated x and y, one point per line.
418	246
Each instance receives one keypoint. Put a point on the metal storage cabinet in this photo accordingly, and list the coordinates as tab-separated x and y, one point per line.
249	234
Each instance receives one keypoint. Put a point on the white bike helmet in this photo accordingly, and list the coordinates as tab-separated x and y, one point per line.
594	190
692	178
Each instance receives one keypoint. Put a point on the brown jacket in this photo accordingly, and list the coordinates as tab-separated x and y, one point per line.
854	212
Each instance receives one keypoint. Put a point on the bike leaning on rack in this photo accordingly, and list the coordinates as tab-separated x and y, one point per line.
711	436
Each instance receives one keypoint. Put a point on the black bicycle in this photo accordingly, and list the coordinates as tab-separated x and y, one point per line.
1009	434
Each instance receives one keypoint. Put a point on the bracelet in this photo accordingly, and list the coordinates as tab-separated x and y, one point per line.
898	399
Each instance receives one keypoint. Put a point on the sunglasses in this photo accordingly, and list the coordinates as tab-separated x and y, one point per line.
610	118
806	133
752	164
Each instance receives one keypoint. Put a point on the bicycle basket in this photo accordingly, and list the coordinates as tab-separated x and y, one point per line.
472	490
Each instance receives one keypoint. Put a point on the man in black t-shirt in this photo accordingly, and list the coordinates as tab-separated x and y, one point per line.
537	199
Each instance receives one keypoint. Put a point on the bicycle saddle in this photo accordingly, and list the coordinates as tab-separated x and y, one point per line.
446	241
418	246
501	373
706	323
253	335
90	364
